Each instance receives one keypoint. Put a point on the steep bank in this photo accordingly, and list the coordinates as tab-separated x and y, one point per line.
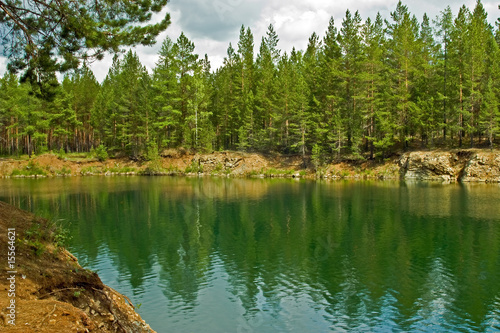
459	165
467	165
50	291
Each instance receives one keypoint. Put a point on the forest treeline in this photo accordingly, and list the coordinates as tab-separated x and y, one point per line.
366	89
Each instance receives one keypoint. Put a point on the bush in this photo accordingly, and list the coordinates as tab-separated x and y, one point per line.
32	169
64	172
61	154
195	167
152	153
154	168
100	153
316	156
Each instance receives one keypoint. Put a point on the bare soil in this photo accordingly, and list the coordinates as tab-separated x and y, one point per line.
53	293
226	163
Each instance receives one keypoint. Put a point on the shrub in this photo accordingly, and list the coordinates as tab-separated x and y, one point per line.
61	154
316	156
32	169
100	153
152	153
195	167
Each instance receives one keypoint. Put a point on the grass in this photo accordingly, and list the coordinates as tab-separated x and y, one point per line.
155	168
120	169
98	170
194	167
219	169
63	172
39	234
272	172
92	170
32	169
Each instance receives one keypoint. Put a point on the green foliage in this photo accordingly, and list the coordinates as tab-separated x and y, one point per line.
64	172
119	169
78	292
316	156
38	235
276	172
365	90
62	236
152	153
44	35
100	153
91	170
32	169
155	168
61	154
194	167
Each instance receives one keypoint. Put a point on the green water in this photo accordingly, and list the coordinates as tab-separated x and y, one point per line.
231	255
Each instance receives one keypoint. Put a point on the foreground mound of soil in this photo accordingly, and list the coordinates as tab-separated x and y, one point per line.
44	289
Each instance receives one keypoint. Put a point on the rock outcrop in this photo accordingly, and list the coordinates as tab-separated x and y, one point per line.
460	165
482	167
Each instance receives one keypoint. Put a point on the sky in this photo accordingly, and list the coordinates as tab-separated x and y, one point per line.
213	24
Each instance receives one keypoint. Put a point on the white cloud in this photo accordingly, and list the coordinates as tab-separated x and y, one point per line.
3	65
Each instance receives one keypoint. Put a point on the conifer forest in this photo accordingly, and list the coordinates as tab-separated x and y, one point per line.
363	88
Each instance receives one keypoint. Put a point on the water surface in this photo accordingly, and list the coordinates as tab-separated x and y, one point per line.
237	255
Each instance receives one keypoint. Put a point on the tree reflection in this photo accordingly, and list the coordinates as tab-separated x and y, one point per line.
381	256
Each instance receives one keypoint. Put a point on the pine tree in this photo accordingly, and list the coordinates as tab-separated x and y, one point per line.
246	131
490	116
205	128
187	62
459	78
350	68
284	90
32	121
265	97
104	113
122	109
426	85
300	118
312	79
133	106
63	119
330	132
227	108
166	98
375	113
38	34
82	88
198	120
479	36
444	23
10	108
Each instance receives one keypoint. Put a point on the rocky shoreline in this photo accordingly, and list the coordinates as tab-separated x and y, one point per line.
464	165
454	166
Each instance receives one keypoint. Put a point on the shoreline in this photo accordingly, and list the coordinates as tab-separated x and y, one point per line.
44	289
459	165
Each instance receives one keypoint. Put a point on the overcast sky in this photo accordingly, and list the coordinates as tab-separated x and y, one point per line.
212	25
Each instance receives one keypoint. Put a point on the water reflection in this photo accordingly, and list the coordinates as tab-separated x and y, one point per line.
224	255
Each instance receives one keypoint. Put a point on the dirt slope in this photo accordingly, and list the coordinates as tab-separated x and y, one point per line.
50	291
464	165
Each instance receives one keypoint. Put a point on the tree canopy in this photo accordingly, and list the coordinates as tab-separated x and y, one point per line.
58	35
365	90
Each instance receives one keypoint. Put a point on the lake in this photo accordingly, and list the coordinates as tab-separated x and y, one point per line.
277	255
